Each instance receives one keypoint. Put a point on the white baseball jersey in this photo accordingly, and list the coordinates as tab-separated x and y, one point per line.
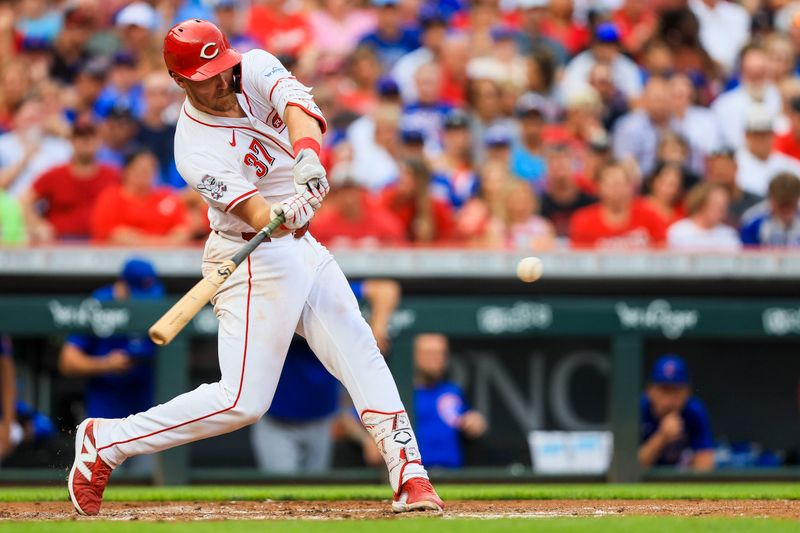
228	160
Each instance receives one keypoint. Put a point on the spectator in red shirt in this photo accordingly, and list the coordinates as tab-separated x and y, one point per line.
789	142
138	213
60	201
561	27
281	31
425	218
562	195
620	220
351	216
637	23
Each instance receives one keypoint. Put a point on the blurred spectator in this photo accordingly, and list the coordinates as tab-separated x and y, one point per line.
562	196
497	144
504	64
124	88
29	149
335	29
605	48
425	218
615	103
560	25
428	111
775	222
137	212
757	160
637	23
674	425
59	204
89	82
695	123
724	29
136	22
673	148
295	434
118	131
637	134
756	90
531	39
351	216
664	191
527	155
361	95
155	133
484	99
390	39
433	32
374	164
704	228
782	57
19	423
12	221
619	220
231	21
789	142
721	170
455	180
119	368
441	414
279	27
526	229
70	51
482	220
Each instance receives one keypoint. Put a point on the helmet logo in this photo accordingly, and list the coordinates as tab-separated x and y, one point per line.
205	54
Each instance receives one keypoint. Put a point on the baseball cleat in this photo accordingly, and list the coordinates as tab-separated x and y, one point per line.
417	494
89	474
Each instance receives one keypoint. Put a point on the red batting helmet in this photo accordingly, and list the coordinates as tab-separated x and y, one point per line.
198	50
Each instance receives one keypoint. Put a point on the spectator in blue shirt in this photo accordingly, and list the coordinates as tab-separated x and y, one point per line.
119	368
675	427
527	153
775	222
295	434
441	414
390	40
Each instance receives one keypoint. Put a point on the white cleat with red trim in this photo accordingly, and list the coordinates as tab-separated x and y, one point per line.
417	494
89	474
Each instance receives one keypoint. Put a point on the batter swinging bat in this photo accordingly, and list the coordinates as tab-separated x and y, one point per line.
173	321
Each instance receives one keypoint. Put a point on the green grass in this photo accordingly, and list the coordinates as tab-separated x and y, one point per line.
760	491
421	525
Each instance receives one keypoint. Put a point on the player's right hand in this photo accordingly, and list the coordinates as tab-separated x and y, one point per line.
297	210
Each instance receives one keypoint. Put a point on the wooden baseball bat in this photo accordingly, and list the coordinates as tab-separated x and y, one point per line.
173	321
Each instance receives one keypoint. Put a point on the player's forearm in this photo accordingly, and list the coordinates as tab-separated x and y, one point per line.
300	124
72	362
9	388
383	296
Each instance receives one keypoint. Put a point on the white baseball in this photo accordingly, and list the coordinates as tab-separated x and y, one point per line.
530	269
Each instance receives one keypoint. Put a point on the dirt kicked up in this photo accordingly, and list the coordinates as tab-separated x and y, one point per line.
349	510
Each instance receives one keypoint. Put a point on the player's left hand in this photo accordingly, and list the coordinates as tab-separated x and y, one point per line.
309	175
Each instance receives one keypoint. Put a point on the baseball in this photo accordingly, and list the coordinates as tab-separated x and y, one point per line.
529	269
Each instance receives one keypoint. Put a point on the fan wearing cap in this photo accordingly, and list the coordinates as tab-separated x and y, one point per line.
248	141
605	48
757	160
675	428
119	368
391	40
59	203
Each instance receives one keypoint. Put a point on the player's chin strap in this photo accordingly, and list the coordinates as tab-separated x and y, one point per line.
395	440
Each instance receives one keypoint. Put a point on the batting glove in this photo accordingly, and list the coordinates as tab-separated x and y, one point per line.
297	210
309	175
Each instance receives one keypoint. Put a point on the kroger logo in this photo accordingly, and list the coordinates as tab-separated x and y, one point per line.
658	315
519	317
781	321
89	313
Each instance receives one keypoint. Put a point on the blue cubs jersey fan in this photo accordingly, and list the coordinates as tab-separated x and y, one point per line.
120	395
761	228
437	411
697	434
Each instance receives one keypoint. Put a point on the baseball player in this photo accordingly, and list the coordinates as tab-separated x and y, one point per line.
248	141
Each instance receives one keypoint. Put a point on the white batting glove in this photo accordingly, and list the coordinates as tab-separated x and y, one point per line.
297	210
309	175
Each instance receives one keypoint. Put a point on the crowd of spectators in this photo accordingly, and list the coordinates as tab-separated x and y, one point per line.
530	124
